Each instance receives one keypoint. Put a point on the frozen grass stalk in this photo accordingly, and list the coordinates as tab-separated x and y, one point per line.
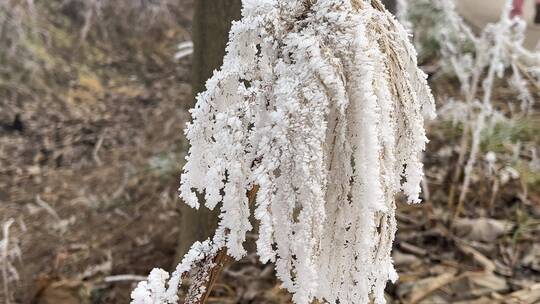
8	252
320	106
479	61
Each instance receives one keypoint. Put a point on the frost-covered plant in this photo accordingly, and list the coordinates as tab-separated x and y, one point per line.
479	61
137	14
9	252
319	106
15	29
424	20
402	9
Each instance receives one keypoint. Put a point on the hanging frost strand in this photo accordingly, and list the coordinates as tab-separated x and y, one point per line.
320	105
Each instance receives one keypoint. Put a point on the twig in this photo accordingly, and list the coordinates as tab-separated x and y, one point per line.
43	204
184	49
5	262
123	278
95	154
120	190
219	261
457	172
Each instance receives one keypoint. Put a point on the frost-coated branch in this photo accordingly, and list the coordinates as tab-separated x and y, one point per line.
321	105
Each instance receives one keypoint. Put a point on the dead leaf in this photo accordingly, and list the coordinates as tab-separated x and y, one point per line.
482	284
529	295
426	286
64	292
481	229
532	258
481	300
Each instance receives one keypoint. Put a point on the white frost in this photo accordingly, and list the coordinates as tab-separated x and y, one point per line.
321	105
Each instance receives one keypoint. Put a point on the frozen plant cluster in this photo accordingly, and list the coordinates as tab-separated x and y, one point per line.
319	107
479	61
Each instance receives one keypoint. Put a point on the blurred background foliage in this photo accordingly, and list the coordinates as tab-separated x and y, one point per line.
50	47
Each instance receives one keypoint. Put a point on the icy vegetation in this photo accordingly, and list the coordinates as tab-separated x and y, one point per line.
319	107
480	61
497	51
9	254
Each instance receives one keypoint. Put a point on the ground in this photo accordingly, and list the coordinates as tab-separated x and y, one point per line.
91	180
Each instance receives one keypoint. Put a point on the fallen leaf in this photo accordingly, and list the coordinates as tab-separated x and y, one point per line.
481	229
426	286
532	258
485	283
64	292
529	295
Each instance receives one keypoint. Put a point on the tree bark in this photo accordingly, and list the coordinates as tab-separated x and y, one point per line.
211	25
390	5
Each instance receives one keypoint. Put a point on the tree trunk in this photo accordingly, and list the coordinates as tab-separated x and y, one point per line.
211	25
390	5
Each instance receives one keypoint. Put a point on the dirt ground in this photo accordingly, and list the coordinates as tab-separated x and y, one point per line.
91	176
91	181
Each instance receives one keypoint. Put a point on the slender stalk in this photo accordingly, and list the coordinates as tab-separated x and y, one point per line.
485	111
5	262
220	260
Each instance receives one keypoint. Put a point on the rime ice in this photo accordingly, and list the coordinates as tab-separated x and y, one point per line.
321	105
